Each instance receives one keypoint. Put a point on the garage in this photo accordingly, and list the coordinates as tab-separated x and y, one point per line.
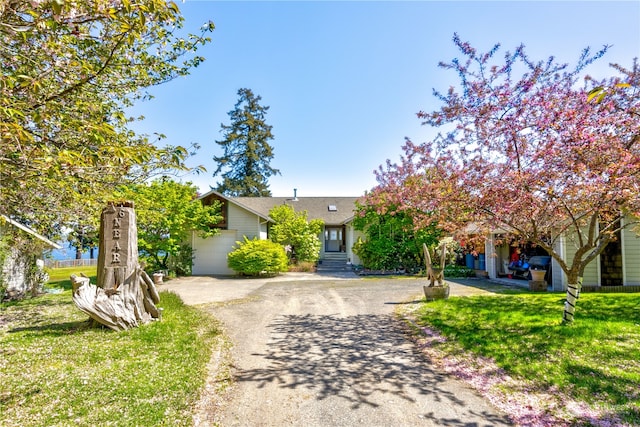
210	254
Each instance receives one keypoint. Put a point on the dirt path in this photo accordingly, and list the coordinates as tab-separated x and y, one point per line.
329	353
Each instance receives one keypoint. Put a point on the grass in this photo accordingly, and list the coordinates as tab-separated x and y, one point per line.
56	370
595	361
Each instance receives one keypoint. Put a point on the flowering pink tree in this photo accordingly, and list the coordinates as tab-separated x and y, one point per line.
523	148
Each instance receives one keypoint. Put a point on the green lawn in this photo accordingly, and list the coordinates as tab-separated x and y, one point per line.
595	362
55	370
60	274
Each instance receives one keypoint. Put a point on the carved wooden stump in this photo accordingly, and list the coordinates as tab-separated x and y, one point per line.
124	296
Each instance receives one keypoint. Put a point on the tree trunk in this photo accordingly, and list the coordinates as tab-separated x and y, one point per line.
124	296
573	293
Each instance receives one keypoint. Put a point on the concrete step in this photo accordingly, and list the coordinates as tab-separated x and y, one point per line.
334	264
334	256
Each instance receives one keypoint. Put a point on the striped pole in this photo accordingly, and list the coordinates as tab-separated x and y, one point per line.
573	293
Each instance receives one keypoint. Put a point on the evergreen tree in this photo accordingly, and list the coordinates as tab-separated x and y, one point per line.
247	153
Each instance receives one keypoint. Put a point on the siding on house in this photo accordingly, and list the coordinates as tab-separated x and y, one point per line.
14	274
244	223
13	270
210	254
631	257
591	275
630	262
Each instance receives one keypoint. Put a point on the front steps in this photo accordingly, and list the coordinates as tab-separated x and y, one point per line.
333	262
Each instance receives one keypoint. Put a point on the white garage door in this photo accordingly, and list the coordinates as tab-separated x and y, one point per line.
210	255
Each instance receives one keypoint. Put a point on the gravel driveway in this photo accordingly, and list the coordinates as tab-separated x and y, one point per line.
313	351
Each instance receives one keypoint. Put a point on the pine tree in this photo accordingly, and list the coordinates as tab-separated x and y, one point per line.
247	153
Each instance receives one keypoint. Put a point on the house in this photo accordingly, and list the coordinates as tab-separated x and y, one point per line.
17	265
618	265
249	217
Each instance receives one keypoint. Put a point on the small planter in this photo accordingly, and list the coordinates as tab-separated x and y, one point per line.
436	292
537	286
538	275
537	283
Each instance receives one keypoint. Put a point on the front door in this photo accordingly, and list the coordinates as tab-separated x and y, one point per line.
333	239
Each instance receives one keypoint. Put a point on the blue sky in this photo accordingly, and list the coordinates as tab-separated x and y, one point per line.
344	80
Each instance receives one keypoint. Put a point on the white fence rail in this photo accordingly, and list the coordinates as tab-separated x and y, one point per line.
50	263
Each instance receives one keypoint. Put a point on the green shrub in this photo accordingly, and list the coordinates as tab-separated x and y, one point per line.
182	260
293	231
391	239
452	271
256	257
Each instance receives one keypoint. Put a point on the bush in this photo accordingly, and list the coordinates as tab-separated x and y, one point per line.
392	241
176	264
293	231
458	271
256	257
182	261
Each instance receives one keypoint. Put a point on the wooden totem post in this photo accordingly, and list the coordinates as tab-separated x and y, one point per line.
125	296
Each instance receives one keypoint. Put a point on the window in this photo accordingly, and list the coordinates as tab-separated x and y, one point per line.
333	208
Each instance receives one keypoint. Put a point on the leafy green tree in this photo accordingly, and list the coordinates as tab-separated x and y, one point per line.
167	212
256	257
392	240
247	153
84	238
69	71
293	231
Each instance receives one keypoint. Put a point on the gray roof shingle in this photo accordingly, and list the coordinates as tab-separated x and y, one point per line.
316	207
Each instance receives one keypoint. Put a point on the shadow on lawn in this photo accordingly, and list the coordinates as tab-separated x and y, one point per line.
594	359
54	329
418	301
486	285
360	359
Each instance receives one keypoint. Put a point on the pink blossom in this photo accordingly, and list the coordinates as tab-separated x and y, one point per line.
525	403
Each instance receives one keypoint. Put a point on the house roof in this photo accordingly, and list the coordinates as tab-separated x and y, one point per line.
332	210
30	231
